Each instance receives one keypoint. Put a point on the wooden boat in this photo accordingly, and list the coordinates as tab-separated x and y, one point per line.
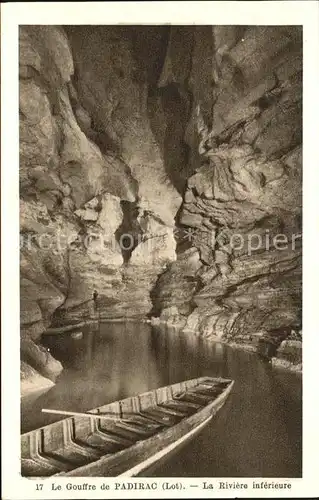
126	437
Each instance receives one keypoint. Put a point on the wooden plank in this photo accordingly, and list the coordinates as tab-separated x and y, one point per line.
210	393
204	398
123	432
161	416
114	438
32	468
180	406
75	457
66	328
101	443
174	410
144	422
192	398
99	416
138	429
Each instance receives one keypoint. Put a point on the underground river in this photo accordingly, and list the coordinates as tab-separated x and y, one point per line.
256	434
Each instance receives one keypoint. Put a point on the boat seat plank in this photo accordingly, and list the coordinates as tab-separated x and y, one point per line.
160	418
115	437
167	413
190	404
137	429
186	408
100	442
212	394
31	468
214	383
68	458
145	421
47	461
83	449
174	410
73	444
123	432
192	398
76	454
208	389
203	397
139	423
208	386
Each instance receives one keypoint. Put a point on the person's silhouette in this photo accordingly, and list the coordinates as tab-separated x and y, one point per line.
95	297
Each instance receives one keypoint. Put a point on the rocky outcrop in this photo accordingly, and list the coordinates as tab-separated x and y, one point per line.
237	276
91	172
40	359
39	369
158	165
92	176
289	352
31	380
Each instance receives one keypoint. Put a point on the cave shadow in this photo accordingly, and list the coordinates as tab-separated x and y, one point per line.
129	233
174	103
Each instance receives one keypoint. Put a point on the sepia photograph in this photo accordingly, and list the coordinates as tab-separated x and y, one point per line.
156	209
160	240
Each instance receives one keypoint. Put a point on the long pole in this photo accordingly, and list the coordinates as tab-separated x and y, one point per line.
111	416
80	414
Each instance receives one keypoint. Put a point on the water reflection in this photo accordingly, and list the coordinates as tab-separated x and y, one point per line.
258	432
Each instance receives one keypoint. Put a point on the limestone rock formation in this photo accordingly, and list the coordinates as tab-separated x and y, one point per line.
32	381
92	178
242	207
87	157
157	165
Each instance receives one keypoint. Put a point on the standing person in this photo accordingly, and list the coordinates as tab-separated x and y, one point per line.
95	297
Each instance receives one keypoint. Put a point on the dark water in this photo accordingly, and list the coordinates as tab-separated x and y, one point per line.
256	434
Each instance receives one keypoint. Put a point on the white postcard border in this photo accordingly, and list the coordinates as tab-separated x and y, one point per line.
255	13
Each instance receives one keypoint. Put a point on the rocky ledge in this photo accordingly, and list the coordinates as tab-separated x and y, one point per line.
237	276
39	369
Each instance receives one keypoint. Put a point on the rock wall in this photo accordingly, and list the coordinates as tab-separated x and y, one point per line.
92	175
144	153
90	169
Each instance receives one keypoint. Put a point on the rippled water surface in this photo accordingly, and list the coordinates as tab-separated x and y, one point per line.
256	434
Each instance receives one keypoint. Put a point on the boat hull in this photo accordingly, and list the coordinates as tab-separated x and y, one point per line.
143	454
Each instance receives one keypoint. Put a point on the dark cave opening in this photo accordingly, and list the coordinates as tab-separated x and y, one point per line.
176	103
129	233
